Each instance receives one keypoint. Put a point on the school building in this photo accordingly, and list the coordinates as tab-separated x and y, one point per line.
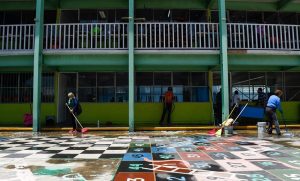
120	56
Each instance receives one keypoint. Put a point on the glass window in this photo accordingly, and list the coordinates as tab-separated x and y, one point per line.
122	94
199	79
162	78
106	79
48	87
180	78
144	78
292	93
106	94
144	94
292	79
10	80
87	94
122	79
200	94
275	80
26	80
87	79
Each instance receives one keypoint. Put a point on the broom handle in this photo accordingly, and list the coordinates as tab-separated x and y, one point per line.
74	115
232	111
240	113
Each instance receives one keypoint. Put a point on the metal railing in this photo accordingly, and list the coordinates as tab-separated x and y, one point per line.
16	37
176	36
263	36
85	36
151	36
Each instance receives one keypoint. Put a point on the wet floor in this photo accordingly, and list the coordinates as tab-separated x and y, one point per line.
149	156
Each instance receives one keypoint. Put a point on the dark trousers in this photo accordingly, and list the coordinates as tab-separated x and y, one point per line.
167	108
272	119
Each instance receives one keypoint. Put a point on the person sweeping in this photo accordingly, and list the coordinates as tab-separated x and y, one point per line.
272	105
73	105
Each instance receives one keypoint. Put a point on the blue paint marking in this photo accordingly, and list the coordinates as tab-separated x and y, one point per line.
136	156
163	150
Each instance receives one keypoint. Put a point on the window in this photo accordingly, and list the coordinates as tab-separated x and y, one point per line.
87	87
50	17
69	16
145	13
18	87
106	87
152	86
12	17
254	17
292	86
197	16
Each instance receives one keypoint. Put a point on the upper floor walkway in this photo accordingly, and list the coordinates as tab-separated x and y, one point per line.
150	36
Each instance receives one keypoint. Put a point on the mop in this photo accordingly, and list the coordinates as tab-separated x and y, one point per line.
229	122
286	133
83	130
213	131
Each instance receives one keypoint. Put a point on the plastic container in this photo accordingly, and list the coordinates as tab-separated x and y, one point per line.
261	127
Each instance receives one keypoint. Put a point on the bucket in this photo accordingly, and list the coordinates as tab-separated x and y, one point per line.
261	127
228	130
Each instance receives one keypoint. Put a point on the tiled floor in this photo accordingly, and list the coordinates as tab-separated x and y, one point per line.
148	157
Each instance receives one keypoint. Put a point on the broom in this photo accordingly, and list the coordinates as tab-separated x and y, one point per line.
83	130
229	121
213	131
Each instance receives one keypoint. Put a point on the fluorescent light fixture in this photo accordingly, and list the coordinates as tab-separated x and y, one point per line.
169	13
102	14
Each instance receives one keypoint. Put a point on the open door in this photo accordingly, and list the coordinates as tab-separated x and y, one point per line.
67	83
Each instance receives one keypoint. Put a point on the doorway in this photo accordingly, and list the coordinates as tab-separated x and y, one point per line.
67	83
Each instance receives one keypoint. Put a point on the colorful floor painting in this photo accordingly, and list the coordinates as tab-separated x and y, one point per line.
147	157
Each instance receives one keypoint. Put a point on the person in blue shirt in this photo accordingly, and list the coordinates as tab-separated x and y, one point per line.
272	105
73	105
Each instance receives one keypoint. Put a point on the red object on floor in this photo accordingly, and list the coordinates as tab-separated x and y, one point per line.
84	130
212	132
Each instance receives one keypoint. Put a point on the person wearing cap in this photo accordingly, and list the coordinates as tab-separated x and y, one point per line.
272	105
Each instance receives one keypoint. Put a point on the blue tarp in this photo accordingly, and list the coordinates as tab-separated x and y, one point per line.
252	112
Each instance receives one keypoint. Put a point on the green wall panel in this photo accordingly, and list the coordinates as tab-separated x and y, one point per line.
183	114
12	114
145	114
291	111
117	113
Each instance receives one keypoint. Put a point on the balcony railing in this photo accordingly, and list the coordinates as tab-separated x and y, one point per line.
16	37
154	36
85	36
176	36
263	36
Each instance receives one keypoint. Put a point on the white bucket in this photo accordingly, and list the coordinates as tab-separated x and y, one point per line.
261	127
228	130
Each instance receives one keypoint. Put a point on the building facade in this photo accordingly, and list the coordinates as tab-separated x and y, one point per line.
119	57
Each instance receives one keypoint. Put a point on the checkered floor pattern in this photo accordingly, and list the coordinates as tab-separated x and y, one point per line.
210	158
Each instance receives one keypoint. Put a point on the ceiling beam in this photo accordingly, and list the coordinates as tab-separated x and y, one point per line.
210	4
282	3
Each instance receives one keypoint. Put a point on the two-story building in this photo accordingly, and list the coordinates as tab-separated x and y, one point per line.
120	56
